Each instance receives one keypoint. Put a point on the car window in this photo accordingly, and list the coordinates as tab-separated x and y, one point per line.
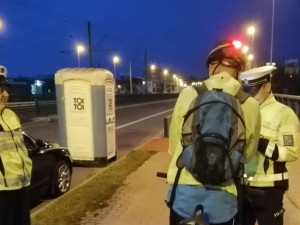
28	143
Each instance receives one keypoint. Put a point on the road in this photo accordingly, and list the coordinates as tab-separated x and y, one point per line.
135	125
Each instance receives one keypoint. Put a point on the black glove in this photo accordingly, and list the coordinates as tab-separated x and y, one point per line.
271	153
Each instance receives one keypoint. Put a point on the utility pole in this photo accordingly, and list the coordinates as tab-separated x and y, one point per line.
130	77
146	70
90	45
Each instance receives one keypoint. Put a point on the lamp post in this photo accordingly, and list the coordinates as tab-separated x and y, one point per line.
80	48
251	32
272	32
152	68
116	60
165	74
1	24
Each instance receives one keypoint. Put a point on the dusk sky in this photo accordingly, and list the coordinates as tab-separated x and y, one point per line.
39	36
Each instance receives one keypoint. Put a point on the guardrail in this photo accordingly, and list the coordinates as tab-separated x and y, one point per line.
292	101
30	104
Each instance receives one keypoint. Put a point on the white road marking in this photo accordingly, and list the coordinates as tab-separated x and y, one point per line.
145	118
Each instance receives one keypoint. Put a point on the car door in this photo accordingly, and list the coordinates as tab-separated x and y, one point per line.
42	167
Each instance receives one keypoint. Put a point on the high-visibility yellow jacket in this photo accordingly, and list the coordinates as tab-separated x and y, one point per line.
279	144
251	116
15	165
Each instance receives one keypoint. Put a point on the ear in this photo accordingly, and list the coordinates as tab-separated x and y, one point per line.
268	87
210	69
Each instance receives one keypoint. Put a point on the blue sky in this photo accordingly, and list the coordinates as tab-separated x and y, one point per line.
39	36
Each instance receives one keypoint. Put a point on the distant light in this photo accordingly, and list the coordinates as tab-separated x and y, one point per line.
251	30
144	82
166	72
119	86
250	57
1	24
80	48
116	59
237	44
174	76
245	49
38	83
153	67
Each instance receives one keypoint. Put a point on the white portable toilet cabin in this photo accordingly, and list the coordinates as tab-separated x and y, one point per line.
86	112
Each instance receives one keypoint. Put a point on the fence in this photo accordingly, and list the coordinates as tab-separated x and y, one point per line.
292	101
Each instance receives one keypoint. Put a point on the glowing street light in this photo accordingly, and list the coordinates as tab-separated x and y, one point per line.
116	60
153	67
250	57
251	31
245	49
165	72
80	48
1	24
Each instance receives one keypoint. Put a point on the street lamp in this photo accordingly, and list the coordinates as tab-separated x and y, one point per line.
250	57
165	74
152	68
245	49
116	60
80	48
1	24
272	31
251	32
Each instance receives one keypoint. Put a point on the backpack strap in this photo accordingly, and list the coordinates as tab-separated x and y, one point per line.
242	96
200	89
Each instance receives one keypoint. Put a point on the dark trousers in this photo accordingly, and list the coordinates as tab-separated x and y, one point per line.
14	207
266	207
175	219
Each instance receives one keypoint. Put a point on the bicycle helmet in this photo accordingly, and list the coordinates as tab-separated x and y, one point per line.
231	50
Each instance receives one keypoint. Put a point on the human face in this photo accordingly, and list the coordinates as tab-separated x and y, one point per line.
3	96
263	93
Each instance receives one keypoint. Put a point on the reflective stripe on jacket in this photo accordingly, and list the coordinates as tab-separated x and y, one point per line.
15	164
251	115
279	125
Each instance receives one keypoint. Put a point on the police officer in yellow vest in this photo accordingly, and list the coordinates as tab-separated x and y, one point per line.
279	144
225	62
15	165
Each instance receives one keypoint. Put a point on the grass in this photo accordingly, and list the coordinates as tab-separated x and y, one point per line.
71	207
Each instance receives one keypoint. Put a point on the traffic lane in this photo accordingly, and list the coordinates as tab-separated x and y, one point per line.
129	135
48	131
132	113
137	132
135	129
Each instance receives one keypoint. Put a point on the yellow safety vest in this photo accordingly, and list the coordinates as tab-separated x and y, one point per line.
251	115
280	125
15	164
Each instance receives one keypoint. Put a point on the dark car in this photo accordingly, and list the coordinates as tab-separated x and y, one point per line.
51	168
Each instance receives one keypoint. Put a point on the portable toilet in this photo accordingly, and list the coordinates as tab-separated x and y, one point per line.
86	112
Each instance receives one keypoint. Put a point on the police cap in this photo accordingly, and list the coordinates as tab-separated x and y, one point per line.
257	76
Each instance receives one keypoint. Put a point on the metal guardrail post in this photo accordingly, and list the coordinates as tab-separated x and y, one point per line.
167	122
37	109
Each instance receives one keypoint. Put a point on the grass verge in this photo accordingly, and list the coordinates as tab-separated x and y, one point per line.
71	207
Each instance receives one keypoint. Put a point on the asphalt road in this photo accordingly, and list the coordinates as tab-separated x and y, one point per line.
135	125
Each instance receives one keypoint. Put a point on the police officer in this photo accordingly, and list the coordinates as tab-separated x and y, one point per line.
225	63
15	165
279	144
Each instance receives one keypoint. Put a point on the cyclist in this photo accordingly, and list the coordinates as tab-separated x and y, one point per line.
225	63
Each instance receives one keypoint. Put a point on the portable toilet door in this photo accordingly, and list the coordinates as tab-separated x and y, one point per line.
79	121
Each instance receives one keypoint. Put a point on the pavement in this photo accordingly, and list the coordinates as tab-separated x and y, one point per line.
140	201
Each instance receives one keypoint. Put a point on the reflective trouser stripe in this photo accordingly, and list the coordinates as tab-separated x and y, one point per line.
13	181
271	177
10	146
